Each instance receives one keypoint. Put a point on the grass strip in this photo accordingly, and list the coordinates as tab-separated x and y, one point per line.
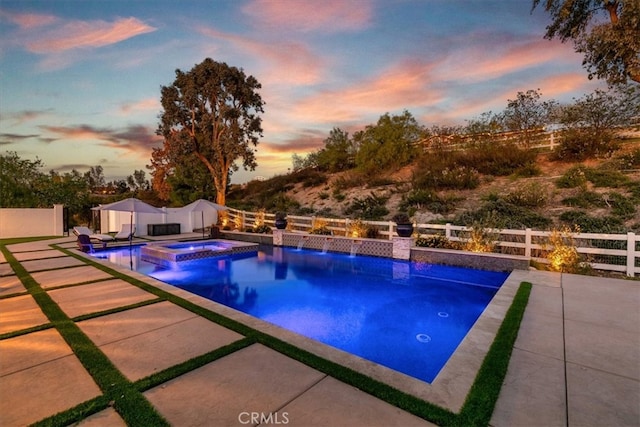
75	414
127	400
482	397
197	362
93	315
25	331
16	294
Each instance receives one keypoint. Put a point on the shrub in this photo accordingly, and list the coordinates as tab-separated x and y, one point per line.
531	195
349	180
622	206
509	215
401	218
372	232
563	255
585	199
262	228
527	171
495	158
629	160
436	241
338	196
427	199
453	178
371	207
582	144
313	178
319	226
356	228
359	228
590	224
634	188
483	237
574	177
602	177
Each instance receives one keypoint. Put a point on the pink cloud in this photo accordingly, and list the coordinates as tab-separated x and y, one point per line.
290	63
326	15
551	88
473	64
29	21
83	34
136	139
561	84
403	85
148	104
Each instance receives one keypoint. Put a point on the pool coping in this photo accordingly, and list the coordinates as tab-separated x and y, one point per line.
448	390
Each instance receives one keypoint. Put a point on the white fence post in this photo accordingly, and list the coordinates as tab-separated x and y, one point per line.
390	230
58	220
447	231
631	253
527	243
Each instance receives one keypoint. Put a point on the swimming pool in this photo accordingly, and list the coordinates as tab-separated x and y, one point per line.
407	316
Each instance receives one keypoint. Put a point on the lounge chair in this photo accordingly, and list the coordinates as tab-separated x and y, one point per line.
126	233
102	238
84	243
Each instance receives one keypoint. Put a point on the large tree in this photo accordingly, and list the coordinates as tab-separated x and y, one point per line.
607	32
338	153
210	112
391	143
527	113
592	122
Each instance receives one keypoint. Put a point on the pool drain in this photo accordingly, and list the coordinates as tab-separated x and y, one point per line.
423	337
443	314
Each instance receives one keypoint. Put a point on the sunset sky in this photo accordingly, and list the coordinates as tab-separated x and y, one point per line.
80	79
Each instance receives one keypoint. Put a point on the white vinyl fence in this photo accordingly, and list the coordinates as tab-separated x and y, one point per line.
608	252
27	222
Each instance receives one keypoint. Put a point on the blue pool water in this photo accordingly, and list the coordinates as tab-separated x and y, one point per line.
407	316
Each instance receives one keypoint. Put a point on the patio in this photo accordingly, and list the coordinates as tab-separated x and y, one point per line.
576	361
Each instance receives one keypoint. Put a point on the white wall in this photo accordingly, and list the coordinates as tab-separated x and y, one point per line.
27	222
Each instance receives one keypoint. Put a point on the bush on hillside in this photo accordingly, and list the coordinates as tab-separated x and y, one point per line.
510	216
581	144
348	180
372	207
574	177
585	200
497	159
435	176
590	224
622	206
605	177
419	199
529	195
629	160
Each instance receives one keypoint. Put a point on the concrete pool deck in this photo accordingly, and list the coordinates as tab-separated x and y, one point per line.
576	361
